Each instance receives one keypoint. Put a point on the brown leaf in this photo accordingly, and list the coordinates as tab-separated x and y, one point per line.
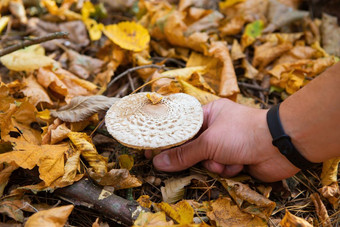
59	133
248	200
297	53
250	71
233	26
209	21
13	206
5	172
82	107
280	15
152	219
290	220
36	93
228	83
321	210
77	37
118	178
236	51
332	193
330	34
82	65
71	167
53	217
224	212
84	143
268	52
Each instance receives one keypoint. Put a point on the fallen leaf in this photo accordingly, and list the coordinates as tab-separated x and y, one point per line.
268	52
236	51
232	26
152	219
144	201
321	210
251	32
228	80
71	167
84	143
82	107
125	161
13	206
3	22
18	10
330	171
290	220
53	217
247	101
297	53
332	193
280	15
28	59
60	133
248	200
203	97
205	23
330	32
224	212
174	188
5	172
181	212
128	35
76	39
36	93
82	65
117	178
250	71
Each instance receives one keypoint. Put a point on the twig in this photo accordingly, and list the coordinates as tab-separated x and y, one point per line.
252	86
131	82
32	41
131	70
182	64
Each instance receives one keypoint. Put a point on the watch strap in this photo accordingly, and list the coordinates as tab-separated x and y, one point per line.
283	141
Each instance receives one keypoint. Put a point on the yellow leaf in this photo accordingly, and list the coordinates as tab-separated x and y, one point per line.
118	178
152	219
251	32
84	143
154	98
28	59
330	171
95	30
144	201
225	213
125	161
3	22
53	217
184	73
44	115
128	35
228	3
181	212
87	9
290	220
203	97
71	167
236	51
247	101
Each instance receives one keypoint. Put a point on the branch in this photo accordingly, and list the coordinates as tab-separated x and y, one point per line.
114	207
32	41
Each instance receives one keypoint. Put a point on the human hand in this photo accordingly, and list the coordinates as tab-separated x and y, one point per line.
232	137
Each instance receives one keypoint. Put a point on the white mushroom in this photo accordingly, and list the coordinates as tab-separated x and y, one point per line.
151	121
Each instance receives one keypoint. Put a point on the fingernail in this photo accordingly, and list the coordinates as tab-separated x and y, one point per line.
161	160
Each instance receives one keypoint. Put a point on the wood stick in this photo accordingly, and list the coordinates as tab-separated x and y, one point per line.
85	193
32	41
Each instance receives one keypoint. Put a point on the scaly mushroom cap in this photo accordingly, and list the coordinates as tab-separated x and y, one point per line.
140	122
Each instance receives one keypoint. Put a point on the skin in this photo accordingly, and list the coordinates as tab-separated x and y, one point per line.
235	137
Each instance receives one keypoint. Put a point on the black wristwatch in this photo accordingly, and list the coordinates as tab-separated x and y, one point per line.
283	141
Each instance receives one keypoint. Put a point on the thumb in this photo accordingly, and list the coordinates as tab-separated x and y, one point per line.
180	158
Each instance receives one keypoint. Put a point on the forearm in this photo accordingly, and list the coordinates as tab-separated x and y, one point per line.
312	117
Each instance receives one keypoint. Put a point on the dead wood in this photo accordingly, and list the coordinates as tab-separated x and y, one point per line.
85	193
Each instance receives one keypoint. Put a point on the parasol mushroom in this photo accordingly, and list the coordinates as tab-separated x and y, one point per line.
151	121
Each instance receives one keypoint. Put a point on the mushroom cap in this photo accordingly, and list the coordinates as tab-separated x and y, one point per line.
135	122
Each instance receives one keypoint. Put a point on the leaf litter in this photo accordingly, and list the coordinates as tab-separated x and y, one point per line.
54	94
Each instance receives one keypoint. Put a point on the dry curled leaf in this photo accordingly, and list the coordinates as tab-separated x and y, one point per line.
181	212
321	210
152	219
174	188
290	220
82	107
84	143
